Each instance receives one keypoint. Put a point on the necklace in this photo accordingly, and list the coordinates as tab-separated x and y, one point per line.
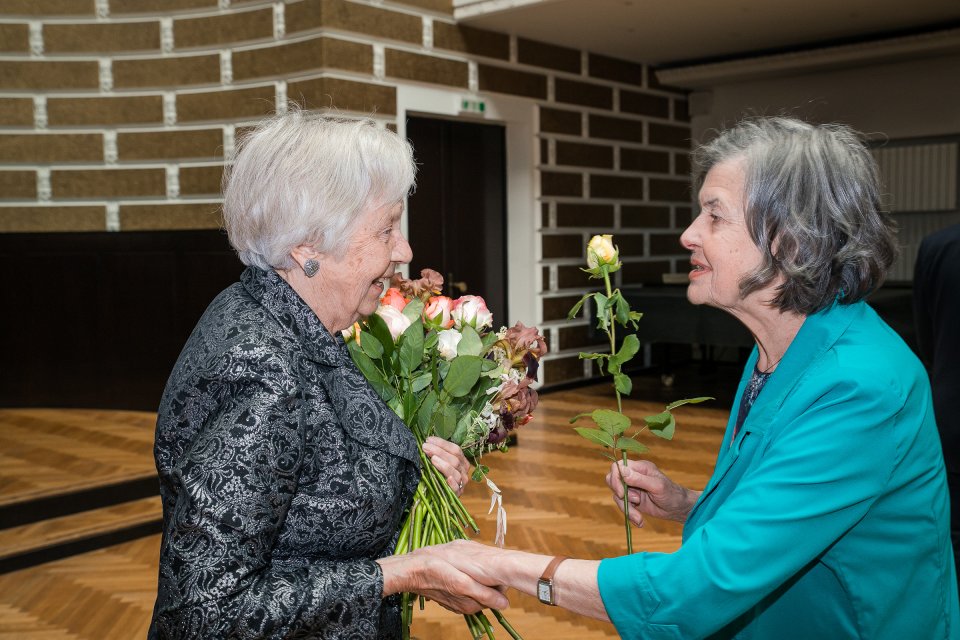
771	366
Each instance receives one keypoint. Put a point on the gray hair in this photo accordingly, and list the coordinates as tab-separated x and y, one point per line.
302	177
812	207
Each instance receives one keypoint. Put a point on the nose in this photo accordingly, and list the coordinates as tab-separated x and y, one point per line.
690	238
402	253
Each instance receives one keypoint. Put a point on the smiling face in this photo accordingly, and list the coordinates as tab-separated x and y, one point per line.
722	252
349	286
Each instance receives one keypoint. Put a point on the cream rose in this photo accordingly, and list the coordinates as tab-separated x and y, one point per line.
447	344
601	251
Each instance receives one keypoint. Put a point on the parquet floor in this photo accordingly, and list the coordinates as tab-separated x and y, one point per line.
554	494
45	452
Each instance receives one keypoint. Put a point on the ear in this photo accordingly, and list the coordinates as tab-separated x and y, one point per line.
303	252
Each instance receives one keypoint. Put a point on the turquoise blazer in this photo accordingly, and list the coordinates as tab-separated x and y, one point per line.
826	517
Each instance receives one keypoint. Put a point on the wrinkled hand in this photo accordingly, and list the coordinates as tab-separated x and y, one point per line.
650	492
479	561
433	577
449	460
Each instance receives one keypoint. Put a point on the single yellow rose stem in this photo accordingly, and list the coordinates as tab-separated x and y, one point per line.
612	333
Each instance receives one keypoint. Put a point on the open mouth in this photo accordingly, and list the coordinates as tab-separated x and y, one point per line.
697	269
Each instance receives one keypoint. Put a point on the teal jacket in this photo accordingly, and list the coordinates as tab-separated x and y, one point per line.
827	516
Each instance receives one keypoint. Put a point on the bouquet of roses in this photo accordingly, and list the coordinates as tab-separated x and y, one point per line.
438	365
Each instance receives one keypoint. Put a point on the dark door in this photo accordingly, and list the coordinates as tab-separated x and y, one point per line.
457	216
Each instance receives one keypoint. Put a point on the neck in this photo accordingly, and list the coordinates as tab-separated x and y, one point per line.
310	291
773	331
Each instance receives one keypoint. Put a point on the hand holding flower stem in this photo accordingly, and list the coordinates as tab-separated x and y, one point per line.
603	258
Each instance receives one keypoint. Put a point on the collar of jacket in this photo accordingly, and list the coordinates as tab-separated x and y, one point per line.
357	405
290	310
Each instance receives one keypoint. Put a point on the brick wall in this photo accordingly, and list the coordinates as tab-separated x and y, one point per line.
119	115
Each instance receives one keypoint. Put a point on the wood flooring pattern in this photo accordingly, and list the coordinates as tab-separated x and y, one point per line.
46	452
554	493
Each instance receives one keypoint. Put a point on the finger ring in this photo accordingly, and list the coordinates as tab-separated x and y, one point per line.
460	485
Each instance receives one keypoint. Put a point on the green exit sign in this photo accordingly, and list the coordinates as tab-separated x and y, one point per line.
473	106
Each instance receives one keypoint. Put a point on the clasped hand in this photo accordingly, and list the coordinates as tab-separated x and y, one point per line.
431	575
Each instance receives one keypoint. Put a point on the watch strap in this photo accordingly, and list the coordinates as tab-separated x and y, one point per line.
545	584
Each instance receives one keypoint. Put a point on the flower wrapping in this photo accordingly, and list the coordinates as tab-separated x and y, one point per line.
438	364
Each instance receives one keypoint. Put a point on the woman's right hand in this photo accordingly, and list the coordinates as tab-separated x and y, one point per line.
438	580
650	492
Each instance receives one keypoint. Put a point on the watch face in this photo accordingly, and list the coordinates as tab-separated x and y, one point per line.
543	592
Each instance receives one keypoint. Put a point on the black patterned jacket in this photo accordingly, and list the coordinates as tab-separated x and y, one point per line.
283	478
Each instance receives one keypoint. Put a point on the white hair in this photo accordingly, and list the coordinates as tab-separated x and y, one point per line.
302	177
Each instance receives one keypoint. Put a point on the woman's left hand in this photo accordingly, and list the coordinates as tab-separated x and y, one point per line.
449	460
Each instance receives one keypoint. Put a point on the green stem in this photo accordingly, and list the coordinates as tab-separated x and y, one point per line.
506	625
626	507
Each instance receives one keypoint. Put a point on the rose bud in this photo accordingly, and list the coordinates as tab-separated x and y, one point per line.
351	333
472	311
396	322
447	344
600	251
438	313
393	298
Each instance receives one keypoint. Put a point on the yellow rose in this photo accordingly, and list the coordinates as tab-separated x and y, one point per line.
601	251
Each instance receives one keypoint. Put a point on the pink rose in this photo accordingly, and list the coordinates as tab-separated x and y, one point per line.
393	298
438	312
396	322
472	311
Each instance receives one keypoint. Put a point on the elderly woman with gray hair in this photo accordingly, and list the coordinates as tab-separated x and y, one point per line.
827	512
283	475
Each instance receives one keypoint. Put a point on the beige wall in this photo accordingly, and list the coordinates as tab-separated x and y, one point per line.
119	115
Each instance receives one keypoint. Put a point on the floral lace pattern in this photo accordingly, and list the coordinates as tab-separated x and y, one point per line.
283	477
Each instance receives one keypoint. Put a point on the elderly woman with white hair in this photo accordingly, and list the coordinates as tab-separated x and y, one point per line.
827	513
283	475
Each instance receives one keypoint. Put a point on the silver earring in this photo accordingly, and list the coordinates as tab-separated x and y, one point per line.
311	267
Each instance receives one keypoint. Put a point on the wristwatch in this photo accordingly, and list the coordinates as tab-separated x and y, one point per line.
545	583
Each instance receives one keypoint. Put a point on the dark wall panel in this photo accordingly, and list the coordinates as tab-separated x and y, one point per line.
98	319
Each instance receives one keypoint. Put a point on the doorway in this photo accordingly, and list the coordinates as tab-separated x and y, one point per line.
457	217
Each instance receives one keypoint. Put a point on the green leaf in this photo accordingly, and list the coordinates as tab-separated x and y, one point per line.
578	416
464	373
425	412
463	426
488	340
413	310
612	422
623	383
576	308
444	422
379	329
370	372
629	444
622	309
592	356
479	472
680	403
595	435
431	340
488	365
469	344
662	425
421	382
629	348
411	347
371	346
409	408
634	317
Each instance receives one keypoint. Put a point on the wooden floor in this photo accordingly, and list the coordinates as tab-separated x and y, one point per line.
552	482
